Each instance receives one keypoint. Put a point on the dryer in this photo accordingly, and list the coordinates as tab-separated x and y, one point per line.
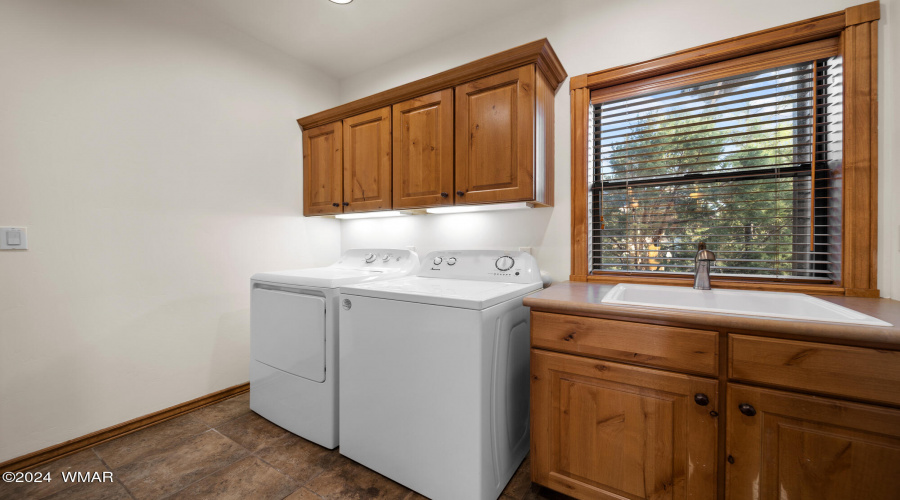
294	331
435	373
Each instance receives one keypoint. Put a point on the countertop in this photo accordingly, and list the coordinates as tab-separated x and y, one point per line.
583	299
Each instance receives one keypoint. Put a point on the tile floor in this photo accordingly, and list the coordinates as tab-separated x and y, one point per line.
225	451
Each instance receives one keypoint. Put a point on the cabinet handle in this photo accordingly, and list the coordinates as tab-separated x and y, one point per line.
746	409
346	203
444	195
335	204
730	459
701	399
460	193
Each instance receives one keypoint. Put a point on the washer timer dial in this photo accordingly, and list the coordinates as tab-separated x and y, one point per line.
505	263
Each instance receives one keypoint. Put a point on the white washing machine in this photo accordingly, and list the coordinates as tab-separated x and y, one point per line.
435	373
294	339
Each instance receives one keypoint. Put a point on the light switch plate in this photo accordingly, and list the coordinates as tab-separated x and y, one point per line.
14	238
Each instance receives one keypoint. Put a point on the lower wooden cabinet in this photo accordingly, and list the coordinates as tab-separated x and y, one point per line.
606	430
790	446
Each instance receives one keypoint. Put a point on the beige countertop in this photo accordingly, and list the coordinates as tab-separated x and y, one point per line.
584	299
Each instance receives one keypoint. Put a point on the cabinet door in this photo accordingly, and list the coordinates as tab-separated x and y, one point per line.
322	158
604	430
423	151
495	138
807	448
367	161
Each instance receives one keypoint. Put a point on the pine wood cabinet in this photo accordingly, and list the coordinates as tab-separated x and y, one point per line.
631	409
606	430
367	161
476	134
322	160
783	445
499	121
423	151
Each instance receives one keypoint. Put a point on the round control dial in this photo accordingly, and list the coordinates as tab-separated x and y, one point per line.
505	263
437	261
386	257
451	261
370	257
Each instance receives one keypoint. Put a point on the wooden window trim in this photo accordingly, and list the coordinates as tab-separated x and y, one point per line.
856	29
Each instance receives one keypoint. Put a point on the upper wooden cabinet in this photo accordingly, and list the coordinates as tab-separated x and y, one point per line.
498	123
367	161
423	151
322	156
499	149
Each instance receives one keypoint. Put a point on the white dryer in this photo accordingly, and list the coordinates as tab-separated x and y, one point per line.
435	373
294	339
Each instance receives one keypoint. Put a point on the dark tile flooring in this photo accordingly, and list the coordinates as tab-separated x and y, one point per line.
225	451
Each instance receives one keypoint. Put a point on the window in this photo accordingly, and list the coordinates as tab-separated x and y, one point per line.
764	146
749	164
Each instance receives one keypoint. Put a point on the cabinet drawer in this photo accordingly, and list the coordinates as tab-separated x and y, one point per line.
681	349
853	372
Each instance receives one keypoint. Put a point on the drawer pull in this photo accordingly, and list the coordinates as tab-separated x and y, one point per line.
746	409
701	399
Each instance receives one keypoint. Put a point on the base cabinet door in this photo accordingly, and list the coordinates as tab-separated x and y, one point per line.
605	430
790	446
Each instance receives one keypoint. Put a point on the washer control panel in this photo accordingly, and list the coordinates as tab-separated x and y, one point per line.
484	265
378	259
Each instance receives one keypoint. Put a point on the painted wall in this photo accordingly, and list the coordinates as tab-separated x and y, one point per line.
154	157
590	35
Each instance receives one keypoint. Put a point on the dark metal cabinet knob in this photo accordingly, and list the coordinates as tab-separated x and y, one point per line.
460	193
444	195
346	204
335	204
746	409
730	459
701	399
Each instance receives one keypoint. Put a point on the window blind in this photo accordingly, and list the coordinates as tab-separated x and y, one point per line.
750	164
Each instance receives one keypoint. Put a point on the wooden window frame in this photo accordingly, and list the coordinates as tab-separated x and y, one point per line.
856	32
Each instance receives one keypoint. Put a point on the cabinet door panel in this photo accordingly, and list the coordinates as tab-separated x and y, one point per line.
322	158
608	430
367	161
807	448
423	151
495	138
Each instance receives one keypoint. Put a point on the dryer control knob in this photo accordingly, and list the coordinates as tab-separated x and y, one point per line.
451	261
505	263
437	261
370	257
386	257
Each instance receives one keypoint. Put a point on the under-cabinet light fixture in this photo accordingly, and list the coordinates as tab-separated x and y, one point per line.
479	208
341	1
371	215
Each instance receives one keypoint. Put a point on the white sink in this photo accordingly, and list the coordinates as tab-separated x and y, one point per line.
743	302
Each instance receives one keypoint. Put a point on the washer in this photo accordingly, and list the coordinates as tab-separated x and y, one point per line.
435	373
294	339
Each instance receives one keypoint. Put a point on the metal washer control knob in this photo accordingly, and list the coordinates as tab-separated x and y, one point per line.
505	263
437	261
370	257
451	261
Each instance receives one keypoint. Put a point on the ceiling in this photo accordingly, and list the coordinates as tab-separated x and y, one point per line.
342	40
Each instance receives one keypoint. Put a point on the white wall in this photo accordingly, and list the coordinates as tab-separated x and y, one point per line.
154	156
590	35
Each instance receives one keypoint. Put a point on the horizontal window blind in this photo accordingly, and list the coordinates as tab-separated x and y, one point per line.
750	164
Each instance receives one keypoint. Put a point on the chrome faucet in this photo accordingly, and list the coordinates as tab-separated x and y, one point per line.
701	267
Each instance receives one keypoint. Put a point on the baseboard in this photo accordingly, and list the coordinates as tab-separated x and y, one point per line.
50	453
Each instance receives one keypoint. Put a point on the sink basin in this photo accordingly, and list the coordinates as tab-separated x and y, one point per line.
744	302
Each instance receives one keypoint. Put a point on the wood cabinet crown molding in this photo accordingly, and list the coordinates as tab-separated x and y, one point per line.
539	53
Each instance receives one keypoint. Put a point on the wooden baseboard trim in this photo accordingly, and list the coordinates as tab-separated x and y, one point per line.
50	453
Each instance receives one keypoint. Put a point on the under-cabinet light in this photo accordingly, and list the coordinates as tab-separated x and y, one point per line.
371	215
341	1
479	208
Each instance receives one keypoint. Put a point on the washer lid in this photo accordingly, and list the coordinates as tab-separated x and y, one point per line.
321	277
467	294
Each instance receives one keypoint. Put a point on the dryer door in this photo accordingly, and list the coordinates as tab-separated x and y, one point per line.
287	331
